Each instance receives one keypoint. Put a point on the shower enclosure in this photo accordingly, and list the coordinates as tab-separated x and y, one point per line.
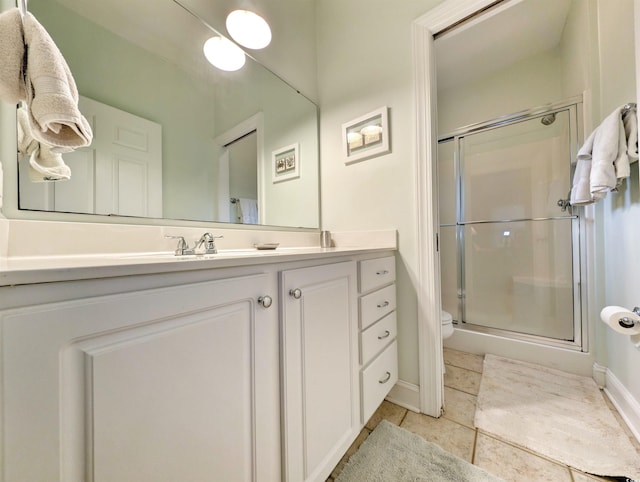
509	242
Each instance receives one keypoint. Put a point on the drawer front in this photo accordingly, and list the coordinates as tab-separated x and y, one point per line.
378	379
377	272
377	336
376	305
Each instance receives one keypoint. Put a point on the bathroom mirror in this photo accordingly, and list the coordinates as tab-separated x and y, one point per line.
174	137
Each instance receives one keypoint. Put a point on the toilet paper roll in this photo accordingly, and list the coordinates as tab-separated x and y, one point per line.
617	316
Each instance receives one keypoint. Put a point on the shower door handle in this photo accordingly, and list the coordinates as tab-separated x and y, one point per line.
565	203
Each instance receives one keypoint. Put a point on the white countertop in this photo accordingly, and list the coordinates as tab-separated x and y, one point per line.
46	269
44	252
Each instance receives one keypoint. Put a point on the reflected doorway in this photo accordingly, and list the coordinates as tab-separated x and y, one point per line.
240	188
242	159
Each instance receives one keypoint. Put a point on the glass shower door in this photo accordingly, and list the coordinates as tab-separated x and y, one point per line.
515	258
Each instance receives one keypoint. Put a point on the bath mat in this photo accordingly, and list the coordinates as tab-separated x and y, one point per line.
391	453
556	414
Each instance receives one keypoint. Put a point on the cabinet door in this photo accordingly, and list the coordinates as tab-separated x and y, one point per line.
320	368
174	384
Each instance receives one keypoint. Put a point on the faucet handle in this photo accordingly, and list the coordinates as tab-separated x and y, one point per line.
211	244
182	248
208	240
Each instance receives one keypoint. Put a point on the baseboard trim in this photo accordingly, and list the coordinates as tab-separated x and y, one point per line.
625	403
406	395
600	375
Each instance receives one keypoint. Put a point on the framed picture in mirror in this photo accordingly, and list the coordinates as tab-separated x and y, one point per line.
285	163
367	136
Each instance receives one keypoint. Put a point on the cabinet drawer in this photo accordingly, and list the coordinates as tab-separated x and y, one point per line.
376	305
377	336
378	379
377	272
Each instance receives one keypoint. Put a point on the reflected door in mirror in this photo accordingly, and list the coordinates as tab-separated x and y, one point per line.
120	173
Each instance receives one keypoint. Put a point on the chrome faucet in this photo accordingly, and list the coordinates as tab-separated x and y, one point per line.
207	239
209	242
183	248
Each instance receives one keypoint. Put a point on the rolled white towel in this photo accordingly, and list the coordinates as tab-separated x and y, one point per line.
44	165
581	188
12	88
26	143
51	92
630	120
609	161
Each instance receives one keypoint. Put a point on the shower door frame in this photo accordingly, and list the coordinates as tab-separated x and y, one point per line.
580	340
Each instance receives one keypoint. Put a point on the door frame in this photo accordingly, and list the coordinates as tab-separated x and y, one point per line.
253	123
430	358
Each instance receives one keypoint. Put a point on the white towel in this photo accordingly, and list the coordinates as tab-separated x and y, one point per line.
603	160
630	120
11	57
44	165
248	211
51	92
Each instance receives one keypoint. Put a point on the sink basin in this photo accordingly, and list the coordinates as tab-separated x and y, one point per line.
223	253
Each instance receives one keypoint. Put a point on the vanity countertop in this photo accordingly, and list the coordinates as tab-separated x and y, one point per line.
46	269
43	252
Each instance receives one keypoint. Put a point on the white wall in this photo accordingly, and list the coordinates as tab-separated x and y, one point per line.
365	62
539	82
621	211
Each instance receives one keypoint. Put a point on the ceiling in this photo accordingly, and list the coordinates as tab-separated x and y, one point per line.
511	31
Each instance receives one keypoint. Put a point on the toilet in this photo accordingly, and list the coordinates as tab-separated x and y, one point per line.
447	324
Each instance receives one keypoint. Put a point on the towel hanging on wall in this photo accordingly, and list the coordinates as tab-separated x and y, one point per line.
12	89
52	95
34	71
604	158
247	210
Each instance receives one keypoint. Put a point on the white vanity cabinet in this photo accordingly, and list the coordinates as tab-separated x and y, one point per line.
378	331
320	402
193	371
169	384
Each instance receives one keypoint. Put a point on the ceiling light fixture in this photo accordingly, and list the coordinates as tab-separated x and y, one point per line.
248	29
223	54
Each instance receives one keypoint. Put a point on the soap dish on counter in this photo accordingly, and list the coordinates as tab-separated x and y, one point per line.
266	245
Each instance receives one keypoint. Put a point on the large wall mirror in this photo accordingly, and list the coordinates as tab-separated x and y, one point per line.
174	137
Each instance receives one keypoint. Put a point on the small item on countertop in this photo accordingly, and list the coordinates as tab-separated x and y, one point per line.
325	239
266	245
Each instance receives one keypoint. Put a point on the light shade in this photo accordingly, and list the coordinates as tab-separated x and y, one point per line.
223	54
371	130
248	29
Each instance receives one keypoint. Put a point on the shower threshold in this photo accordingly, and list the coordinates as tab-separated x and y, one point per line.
572	345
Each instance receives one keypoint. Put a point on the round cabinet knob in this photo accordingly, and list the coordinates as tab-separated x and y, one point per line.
265	301
297	293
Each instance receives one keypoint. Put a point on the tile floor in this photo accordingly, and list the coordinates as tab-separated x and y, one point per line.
454	431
